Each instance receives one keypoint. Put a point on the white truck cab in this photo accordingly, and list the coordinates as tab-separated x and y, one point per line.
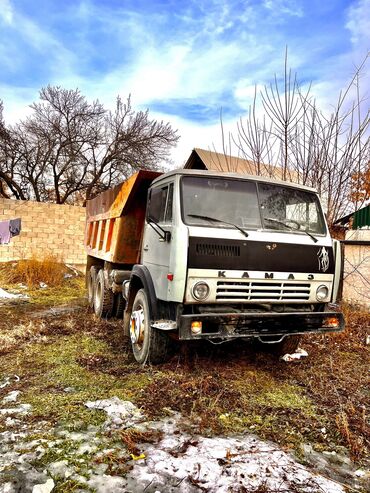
226	256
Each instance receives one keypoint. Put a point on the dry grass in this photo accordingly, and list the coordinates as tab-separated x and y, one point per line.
131	438
49	270
221	389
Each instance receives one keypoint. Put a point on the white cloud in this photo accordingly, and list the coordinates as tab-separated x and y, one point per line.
284	7
246	90
6	11
194	65
16	102
359	23
193	135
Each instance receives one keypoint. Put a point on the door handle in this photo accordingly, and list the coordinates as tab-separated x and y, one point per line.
146	248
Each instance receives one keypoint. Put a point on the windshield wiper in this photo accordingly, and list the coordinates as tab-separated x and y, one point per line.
310	235
207	218
282	223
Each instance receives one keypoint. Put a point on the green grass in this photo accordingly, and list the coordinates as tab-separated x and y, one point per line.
71	290
45	370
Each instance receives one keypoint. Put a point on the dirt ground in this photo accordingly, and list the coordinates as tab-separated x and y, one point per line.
55	356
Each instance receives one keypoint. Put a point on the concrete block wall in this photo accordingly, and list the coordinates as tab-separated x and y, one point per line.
356	285
46	228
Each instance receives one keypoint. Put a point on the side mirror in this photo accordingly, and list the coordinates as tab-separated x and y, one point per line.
166	236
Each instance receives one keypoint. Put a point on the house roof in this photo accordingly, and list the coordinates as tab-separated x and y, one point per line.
361	218
215	161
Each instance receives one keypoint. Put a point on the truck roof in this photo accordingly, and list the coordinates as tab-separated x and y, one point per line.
239	176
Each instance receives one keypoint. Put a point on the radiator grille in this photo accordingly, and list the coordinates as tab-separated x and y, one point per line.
218	250
262	291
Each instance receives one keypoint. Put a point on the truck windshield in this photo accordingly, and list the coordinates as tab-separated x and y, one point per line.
232	201
274	207
286	208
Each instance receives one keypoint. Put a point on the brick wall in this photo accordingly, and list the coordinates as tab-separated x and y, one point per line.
46	228
356	286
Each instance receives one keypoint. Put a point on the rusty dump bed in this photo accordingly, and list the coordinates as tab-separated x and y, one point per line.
115	220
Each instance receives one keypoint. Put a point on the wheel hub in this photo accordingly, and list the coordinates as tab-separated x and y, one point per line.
137	326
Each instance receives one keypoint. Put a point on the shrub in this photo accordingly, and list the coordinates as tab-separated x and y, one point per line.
48	269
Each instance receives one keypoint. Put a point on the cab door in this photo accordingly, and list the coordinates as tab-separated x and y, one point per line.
158	231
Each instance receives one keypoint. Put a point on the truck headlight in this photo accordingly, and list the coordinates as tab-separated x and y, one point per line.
200	290
322	292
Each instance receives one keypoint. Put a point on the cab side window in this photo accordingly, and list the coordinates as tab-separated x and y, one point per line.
160	204
169	205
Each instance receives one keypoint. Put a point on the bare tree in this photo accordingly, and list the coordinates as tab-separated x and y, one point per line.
254	141
329	152
284	108
70	149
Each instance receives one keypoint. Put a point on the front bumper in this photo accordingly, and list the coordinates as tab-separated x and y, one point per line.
232	325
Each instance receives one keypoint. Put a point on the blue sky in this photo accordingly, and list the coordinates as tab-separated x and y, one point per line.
183	60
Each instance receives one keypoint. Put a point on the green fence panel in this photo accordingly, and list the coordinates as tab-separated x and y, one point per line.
361	218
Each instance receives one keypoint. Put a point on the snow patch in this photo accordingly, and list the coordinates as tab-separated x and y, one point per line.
182	462
6	295
21	409
60	468
86	448
120	413
8	380
300	353
107	484
11	397
220	465
44	488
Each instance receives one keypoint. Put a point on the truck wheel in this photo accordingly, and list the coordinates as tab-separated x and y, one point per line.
90	284
103	297
288	345
148	344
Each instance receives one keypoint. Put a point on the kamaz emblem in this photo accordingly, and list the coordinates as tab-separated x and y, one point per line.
323	257
271	247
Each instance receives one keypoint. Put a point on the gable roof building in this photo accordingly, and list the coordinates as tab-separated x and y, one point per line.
215	161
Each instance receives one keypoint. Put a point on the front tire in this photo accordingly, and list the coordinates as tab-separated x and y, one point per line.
148	345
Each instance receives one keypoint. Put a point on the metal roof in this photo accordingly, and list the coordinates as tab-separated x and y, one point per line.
361	218
202	159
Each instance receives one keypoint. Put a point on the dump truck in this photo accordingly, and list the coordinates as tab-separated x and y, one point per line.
194	254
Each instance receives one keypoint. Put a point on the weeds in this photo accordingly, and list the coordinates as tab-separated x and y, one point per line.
116	462
322	400
354	441
69	486
49	270
36	320
132	437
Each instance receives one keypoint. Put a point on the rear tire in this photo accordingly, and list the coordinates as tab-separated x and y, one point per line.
90	285
288	345
103	297
148	345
